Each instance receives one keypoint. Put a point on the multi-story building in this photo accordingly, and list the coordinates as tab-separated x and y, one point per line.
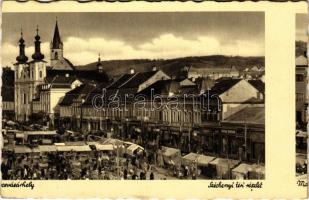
301	90
232	98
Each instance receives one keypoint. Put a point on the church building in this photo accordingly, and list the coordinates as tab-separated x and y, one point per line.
38	88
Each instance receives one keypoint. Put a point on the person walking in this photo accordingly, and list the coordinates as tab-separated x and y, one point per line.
151	177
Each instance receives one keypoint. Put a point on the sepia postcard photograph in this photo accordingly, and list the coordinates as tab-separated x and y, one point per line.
140	96
301	79
159	100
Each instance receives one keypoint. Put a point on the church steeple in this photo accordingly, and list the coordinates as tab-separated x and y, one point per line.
37	56
56	42
99	65
21	58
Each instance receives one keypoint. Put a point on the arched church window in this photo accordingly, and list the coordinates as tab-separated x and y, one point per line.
56	55
41	74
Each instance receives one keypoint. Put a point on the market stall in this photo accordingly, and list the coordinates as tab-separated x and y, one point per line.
248	171
134	148
171	156
223	167
201	162
301	163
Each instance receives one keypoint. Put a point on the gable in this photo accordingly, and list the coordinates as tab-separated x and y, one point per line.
186	82
159	75
240	92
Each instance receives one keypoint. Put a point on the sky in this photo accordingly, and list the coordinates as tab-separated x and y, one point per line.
301	27
153	35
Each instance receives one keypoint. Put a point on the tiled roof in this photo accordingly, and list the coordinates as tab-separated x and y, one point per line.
258	84
58	79
254	115
124	78
138	79
85	76
97	90
162	87
223	85
75	93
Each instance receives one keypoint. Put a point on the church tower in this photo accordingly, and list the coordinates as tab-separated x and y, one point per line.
21	58
57	60
21	68
99	65
56	47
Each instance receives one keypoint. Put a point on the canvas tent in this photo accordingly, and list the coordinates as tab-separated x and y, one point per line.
171	156
248	171
223	166
201	160
134	147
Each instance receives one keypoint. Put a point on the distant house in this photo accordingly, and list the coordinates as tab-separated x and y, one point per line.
51	93
125	86
233	98
70	106
214	72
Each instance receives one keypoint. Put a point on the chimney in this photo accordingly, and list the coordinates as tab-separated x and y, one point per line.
132	71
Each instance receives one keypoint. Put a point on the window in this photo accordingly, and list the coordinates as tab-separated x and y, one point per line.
25	98
56	56
41	74
299	78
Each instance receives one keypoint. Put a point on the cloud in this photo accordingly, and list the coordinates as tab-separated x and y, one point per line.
83	51
10	52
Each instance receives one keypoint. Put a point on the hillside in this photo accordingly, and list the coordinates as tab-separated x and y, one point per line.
172	66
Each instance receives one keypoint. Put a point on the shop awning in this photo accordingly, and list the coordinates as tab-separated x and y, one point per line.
104	147
20	135
47	141
59	144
